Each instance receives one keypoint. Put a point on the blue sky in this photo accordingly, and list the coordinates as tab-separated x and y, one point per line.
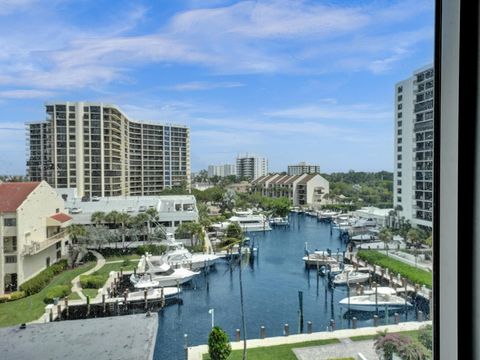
291	80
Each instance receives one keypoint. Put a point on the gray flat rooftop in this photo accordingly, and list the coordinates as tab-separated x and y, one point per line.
120	337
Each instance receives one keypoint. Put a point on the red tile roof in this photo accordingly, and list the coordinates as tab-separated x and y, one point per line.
13	194
61	217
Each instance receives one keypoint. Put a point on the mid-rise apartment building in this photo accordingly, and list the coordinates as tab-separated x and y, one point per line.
414	124
301	190
97	149
251	166
303	168
32	231
221	170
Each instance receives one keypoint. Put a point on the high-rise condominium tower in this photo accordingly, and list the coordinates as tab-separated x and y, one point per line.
96	148
251	166
414	124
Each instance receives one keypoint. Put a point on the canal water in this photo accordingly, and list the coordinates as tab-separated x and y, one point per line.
271	283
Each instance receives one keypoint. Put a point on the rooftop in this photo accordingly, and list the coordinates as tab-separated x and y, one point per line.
118	337
13	194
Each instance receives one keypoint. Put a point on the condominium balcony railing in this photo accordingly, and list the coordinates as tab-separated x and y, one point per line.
36	246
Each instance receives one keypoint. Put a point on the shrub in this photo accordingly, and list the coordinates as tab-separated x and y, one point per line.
126	263
17	295
37	283
152	249
4	298
91	281
386	345
425	336
219	347
59	291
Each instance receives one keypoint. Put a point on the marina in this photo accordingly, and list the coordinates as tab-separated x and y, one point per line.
272	280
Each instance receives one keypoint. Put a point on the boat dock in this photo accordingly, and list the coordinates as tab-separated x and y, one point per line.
397	282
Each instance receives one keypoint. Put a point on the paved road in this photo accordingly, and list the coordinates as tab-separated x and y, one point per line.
346	348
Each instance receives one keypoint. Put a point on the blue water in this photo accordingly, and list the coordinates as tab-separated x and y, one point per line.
271	283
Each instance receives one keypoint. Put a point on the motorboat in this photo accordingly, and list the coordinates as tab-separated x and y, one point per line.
157	273
365	223
380	290
178	256
319	258
279	221
351	277
335	269
326	215
364	237
152	293
251	222
372	302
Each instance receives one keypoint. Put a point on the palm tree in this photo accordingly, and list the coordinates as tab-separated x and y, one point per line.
124	220
75	231
414	236
235	236
141	223
385	235
98	217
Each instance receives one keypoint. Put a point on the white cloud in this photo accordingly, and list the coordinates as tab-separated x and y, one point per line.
205	85
26	94
276	36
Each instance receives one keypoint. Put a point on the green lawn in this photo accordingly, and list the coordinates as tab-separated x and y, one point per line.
74	296
32	307
105	270
412	333
123	257
92	293
281	352
413	274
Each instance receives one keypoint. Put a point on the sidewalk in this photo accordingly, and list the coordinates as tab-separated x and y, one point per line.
76	286
196	352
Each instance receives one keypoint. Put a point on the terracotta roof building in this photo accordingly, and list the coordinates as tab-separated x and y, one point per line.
32	231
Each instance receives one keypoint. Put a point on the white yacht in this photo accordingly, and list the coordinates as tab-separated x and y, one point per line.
364	237
250	222
177	256
326	215
373	302
279	221
157	273
351	277
319	258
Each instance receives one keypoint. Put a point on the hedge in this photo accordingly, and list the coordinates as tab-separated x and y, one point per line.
92	281
59	291
37	283
17	295
413	274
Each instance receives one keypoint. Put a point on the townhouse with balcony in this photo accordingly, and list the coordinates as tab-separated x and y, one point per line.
302	190
32	231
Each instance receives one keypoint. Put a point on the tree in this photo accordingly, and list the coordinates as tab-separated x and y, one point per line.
280	206
228	200
75	231
385	235
413	236
219	347
191	230
98	217
235	236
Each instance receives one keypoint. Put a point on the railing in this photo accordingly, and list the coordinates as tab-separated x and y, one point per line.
36	246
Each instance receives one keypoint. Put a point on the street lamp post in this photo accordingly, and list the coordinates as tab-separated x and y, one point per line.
212	312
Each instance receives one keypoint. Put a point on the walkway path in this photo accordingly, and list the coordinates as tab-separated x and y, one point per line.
346	348
76	286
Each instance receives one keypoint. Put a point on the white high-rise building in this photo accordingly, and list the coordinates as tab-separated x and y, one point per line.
251	166
414	124
221	170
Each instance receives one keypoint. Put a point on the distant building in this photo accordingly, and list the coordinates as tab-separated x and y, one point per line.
380	216
303	168
240	187
201	186
172	210
251	166
32	231
96	148
302	190
221	170
414	125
